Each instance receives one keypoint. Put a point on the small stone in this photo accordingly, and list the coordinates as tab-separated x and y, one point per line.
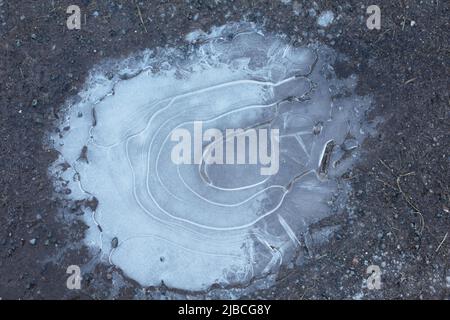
109	75
317	128
33	241
114	242
34	103
325	18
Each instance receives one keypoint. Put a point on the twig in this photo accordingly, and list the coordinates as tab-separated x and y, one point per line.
385	183
140	16
409	201
442	242
386	166
409	81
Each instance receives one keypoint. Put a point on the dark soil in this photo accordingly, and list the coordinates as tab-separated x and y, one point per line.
398	215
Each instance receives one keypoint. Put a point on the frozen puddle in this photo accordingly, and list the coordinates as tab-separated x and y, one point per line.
203	225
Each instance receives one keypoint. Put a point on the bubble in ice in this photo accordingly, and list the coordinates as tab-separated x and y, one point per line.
165	223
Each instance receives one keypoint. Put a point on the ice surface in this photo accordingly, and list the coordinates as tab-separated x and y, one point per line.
173	225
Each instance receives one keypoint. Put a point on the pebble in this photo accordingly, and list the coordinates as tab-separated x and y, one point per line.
114	242
325	18
33	241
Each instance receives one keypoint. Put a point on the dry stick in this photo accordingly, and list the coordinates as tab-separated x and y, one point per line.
422	220
385	183
442	242
409	201
386	166
140	16
409	81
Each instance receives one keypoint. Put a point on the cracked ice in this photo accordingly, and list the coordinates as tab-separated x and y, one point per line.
162	222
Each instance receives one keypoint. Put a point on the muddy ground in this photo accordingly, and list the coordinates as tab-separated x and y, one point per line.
398	214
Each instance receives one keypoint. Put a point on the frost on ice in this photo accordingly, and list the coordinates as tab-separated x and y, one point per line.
164	223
